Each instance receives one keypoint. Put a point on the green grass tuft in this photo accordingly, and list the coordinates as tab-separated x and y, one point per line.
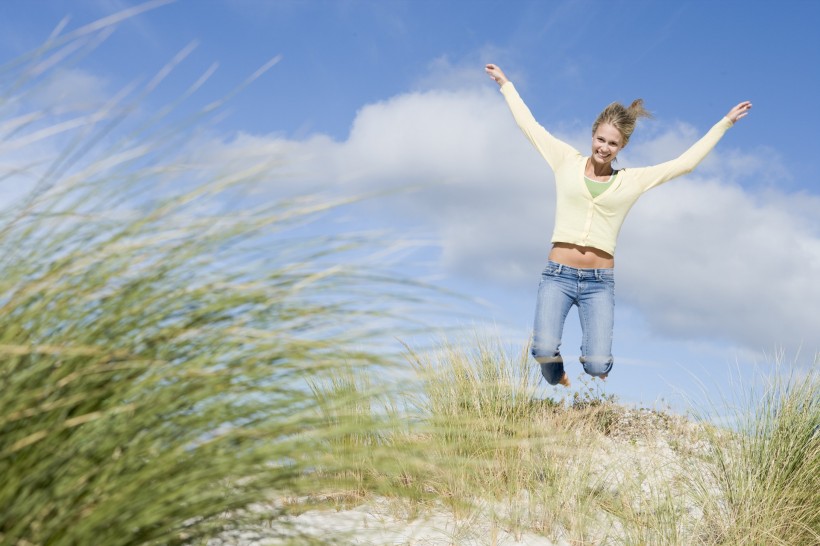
159	327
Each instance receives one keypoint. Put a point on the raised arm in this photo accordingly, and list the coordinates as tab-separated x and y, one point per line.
688	160
553	150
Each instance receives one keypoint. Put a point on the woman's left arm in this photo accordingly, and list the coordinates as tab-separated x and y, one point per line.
649	177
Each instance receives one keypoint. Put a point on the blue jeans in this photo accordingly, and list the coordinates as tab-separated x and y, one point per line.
593	291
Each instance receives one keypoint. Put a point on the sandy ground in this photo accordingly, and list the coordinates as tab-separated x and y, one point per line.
372	525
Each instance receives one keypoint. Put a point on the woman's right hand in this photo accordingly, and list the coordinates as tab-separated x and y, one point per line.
496	74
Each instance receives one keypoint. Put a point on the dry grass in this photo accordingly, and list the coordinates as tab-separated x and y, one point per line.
763	484
474	442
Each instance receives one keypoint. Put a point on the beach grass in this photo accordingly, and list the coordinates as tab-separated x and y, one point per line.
160	327
763	484
483	444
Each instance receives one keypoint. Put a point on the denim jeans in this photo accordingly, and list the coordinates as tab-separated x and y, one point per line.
593	291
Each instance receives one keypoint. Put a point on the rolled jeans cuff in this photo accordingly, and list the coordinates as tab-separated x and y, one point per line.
597	366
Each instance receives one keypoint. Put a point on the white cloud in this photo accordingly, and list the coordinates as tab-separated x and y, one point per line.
702	257
69	90
445	75
43	121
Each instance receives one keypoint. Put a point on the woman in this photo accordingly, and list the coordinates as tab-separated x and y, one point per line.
592	200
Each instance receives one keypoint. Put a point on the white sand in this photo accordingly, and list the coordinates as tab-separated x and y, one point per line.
372	525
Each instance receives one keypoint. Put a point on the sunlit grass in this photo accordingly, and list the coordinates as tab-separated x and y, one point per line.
763	486
481	442
159	327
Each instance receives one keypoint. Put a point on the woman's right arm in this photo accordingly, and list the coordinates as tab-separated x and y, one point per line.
551	148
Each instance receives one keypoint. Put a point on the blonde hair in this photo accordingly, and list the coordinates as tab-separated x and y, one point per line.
622	118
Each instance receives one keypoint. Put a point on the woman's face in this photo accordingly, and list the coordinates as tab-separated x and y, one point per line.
607	141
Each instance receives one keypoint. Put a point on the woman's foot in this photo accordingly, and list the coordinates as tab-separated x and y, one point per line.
564	380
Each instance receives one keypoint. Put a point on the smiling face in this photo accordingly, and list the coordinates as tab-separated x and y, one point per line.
607	141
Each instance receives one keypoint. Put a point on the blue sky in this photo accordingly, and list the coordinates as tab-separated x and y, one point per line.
715	270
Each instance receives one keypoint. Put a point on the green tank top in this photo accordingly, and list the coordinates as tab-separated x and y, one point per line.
595	187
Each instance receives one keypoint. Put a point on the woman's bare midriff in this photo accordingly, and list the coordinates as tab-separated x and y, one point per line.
581	257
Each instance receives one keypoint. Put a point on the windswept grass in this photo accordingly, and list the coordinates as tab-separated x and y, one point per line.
764	481
157	329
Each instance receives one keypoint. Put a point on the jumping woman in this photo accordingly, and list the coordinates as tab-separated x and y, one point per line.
592	199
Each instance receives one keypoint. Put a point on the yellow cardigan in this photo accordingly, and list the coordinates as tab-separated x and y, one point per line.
581	219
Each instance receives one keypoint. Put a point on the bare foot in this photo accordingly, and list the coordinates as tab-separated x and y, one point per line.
564	380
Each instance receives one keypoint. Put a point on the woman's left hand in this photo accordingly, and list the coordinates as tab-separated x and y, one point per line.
739	111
